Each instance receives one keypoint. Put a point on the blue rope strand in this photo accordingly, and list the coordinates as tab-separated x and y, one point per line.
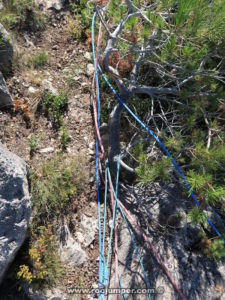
120	282
132	237
111	232
97	148
105	270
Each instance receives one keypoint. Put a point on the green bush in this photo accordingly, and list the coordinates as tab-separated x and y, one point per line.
33	143
38	60
42	266
153	171
213	247
82	13
64	136
55	184
55	105
181	82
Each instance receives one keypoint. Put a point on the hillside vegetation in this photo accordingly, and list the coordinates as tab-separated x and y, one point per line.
166	60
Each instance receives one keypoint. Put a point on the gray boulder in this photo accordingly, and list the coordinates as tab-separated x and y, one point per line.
51	4
6	52
88	228
51	294
15	206
5	97
70	250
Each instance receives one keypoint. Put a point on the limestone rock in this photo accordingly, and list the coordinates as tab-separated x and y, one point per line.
15	208
48	87
88	227
87	55
5	97
6	52
70	250
49	294
90	69
51	4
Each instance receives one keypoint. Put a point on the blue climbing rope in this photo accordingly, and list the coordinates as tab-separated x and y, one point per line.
97	155
105	269
131	235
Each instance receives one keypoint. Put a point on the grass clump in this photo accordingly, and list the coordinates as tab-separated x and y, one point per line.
55	184
64	136
33	143
55	105
39	60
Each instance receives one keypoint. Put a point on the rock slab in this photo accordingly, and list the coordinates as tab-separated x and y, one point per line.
5	97
51	4
88	228
70	250
6	52
15	206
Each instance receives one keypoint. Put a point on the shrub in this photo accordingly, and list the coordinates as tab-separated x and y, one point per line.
55	105
82	13
43	266
177	48
55	184
150	172
64	136
39	60
212	247
33	143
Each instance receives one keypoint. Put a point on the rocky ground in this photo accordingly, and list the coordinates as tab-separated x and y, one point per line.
160	210
70	69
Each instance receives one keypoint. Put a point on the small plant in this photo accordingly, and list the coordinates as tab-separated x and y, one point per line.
55	105
215	248
197	217
33	143
150	172
212	247
25	274
64	136
82	13
1	39
39	60
73	75
43	266
74	28
55	184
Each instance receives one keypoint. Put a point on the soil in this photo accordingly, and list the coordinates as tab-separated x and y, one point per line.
67	71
